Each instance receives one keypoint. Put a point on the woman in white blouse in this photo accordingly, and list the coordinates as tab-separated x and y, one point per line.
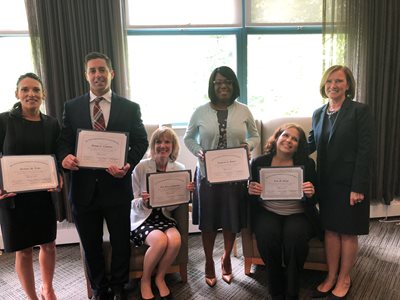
154	226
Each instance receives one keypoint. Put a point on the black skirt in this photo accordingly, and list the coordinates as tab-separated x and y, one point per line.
338	215
27	220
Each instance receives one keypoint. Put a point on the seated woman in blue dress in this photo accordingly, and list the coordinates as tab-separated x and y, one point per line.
154	226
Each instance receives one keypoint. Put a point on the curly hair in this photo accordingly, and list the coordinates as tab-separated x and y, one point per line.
301	155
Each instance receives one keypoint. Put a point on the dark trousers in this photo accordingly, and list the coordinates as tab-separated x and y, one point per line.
283	245
89	223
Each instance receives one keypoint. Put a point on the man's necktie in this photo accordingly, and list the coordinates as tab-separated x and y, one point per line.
98	117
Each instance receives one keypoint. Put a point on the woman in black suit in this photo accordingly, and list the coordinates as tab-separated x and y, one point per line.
342	134
29	219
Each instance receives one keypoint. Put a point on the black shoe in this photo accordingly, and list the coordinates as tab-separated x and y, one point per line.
167	297
100	297
316	293
278	297
153	298
120	295
332	296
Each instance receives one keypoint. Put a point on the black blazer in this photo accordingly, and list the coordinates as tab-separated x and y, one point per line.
11	125
125	116
349	149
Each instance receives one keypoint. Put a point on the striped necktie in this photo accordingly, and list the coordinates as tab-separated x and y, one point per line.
98	117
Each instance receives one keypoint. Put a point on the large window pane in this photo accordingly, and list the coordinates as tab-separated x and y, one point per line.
169	74
284	72
12	16
15	60
284	11
184	13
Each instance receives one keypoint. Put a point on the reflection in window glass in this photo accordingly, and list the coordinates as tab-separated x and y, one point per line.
12	16
169	74
187	13
284	72
285	11
20	49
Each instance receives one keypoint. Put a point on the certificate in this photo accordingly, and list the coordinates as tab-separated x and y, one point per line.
168	188
281	183
227	165
101	149
27	173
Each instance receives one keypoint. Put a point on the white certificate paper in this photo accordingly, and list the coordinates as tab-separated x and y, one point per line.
101	149
227	165
27	173
168	188
281	183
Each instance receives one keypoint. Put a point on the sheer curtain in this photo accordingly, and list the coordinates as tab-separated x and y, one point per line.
364	35
62	33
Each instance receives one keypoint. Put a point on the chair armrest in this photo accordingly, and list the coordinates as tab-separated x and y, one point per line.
181	215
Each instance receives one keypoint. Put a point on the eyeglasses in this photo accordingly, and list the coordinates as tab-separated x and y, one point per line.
221	82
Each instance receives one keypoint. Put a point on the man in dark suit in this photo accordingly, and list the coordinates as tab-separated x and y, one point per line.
102	194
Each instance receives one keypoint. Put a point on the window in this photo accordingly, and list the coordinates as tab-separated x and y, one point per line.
184	13
267	12
169	74
275	47
283	74
15	49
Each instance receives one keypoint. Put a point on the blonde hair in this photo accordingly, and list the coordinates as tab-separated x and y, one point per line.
351	91
168	133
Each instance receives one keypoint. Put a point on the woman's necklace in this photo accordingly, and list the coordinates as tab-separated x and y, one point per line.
331	112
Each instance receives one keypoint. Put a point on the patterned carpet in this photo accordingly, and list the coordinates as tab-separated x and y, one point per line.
376	275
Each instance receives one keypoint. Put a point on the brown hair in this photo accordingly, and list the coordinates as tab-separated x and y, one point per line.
301	155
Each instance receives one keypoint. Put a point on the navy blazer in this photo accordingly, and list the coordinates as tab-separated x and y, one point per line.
125	116
349	149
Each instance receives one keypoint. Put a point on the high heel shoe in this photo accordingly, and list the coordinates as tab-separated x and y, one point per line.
211	280
227	277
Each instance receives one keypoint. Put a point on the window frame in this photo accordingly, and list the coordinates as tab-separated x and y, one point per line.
241	34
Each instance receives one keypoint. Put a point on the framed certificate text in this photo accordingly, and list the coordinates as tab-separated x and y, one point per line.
27	173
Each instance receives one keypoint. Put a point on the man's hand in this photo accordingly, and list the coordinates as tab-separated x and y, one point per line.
70	162
118	172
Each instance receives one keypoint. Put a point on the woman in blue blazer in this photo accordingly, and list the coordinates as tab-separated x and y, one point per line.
342	134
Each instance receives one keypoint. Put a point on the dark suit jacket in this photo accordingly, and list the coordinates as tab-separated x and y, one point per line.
11	125
349	149
125	116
